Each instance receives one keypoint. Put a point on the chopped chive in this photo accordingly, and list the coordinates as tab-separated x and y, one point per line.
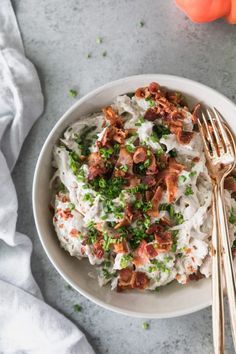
77	308
89	55
192	174
73	93
141	23
104	54
68	287
188	190
99	40
145	325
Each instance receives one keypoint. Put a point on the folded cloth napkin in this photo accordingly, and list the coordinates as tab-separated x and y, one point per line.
27	323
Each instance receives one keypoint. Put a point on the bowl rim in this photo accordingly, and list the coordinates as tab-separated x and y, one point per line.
79	102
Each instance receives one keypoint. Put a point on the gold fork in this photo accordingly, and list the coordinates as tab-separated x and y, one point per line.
220	151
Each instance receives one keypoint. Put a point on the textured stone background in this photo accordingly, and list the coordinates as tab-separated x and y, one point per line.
58	35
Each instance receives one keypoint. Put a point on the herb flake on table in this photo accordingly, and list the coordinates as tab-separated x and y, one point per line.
99	40
145	325
73	93
77	308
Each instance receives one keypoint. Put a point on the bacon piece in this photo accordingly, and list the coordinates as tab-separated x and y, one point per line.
152	168
196	159
164	241
140	254
230	183
140	155
155	202
139	280
112	116
133	181
66	214
124	280
127	218
140	92
125	158
148	195
154	228
175	166
149	180
151	251
151	114
172	186
121	247
74	233
153	87
120	135
196	276
111	134
96	165
98	250
129	279
184	137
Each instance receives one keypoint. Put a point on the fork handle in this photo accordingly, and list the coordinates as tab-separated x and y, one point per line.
227	259
217	281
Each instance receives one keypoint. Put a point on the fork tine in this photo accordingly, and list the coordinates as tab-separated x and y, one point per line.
206	147
217	136
223	133
209	136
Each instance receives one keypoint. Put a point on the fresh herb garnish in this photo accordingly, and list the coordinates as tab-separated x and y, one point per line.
88	198
192	174
130	148
141	23
160	130
232	217
139	122
73	93
173	153
106	152
91	233
72	206
99	40
125	260
110	188
188	190
175	239
182	179
74	162
77	308
145	325
177	218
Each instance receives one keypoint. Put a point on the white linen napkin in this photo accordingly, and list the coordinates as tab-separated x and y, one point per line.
27	323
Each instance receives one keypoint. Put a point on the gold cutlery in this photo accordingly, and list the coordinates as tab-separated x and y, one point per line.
220	151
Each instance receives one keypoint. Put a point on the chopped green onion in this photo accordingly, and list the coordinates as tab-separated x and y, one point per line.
73	93
145	325
192	174
99	40
188	190
77	308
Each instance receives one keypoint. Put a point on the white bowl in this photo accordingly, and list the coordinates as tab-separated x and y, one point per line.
174	299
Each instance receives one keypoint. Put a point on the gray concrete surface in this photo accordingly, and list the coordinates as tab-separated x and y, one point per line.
58	35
